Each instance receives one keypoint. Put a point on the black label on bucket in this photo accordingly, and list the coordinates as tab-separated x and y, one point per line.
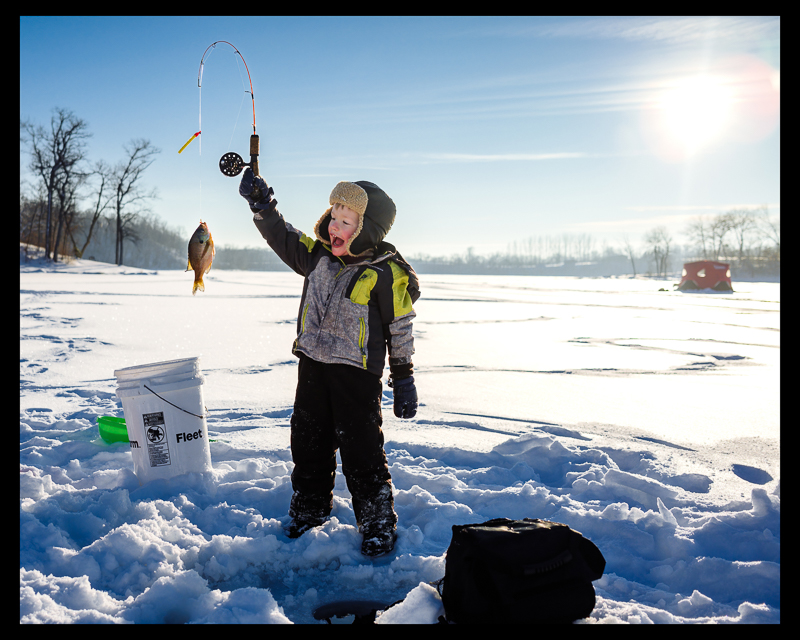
156	435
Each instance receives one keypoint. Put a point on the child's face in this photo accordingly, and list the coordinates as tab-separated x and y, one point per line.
344	222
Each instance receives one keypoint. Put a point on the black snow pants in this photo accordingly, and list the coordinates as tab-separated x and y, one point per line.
338	406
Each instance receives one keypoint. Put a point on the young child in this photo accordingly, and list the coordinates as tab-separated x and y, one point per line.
356	305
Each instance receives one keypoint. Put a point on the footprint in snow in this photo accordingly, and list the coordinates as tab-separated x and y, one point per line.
751	474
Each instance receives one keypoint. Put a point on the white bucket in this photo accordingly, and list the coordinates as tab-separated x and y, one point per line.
165	416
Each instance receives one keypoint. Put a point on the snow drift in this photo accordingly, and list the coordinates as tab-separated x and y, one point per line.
582	401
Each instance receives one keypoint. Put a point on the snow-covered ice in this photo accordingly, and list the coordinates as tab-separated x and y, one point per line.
648	420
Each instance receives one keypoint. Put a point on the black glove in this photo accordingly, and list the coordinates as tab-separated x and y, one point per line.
405	397
255	190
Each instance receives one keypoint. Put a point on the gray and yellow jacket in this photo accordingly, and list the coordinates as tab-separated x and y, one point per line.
349	313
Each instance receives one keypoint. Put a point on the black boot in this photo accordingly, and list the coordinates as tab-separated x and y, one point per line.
378	539
297	528
307	513
377	521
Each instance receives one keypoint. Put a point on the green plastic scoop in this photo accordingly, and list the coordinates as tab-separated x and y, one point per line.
112	429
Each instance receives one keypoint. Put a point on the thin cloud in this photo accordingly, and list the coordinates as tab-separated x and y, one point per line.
680	29
501	157
670	29
525	96
634	225
384	163
674	217
703	207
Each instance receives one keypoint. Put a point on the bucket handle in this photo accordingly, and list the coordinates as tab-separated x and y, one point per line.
175	405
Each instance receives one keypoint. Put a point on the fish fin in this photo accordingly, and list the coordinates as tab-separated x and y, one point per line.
188	265
198	285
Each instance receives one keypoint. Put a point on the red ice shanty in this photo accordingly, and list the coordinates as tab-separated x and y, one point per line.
706	274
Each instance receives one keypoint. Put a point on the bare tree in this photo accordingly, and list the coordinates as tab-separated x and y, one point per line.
769	228
31	213
719	228
125	182
629	251
743	226
55	155
557	247
67	185
128	229
699	233
659	242
102	197
584	246
666	241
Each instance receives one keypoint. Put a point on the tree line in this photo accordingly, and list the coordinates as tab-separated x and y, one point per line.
747	238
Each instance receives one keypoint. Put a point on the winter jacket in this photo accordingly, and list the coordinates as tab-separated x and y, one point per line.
349	313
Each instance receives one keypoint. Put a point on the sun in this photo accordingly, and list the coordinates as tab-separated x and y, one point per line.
695	112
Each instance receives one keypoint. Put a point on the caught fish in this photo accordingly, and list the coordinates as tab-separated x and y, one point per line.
201	255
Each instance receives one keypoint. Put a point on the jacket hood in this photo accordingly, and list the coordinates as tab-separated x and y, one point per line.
374	223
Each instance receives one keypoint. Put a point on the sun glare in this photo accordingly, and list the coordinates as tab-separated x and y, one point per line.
739	102
695	112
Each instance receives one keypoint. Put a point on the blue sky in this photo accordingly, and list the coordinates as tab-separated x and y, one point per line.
483	130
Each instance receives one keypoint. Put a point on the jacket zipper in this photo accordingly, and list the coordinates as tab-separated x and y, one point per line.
302	325
362	334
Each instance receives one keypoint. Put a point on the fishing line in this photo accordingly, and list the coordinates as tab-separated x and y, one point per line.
230	141
200	142
200	112
236	124
241	102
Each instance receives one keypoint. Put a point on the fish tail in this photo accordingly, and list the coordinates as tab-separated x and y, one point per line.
198	285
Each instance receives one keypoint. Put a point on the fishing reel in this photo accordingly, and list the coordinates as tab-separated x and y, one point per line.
232	164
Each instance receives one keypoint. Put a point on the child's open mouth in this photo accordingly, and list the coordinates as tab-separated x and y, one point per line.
337	241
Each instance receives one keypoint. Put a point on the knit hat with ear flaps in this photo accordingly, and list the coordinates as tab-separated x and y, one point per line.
375	209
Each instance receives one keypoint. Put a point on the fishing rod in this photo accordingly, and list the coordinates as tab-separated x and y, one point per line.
231	164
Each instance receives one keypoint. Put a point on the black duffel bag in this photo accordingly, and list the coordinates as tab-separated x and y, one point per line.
519	571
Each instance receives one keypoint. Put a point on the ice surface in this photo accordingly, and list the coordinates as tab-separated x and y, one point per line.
647	420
